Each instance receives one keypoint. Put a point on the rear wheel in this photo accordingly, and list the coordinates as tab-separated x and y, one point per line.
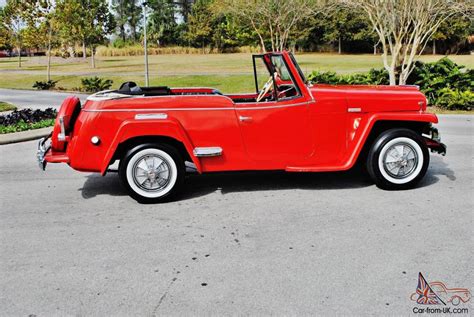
152	173
398	159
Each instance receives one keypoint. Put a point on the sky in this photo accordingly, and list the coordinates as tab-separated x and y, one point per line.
2	2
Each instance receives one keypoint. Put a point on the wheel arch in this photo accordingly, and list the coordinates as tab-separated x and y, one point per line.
382	125
134	133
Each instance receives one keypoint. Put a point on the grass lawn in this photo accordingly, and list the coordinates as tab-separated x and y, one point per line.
229	73
5	106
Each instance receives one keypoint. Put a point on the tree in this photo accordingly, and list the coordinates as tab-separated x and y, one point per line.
85	21
272	20
13	25
342	24
40	16
200	28
453	33
185	7
162	22
134	13
121	17
5	35
404	28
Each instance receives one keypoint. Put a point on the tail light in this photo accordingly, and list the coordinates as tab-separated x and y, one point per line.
64	123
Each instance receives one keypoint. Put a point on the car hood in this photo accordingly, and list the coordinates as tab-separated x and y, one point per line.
373	98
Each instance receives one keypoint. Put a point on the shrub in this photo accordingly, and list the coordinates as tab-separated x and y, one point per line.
27	116
433	77
455	99
444	83
44	85
95	84
373	77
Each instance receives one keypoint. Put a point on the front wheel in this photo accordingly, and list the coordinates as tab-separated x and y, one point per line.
398	159
152	173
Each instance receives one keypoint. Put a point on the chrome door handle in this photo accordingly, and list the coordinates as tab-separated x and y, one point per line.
245	119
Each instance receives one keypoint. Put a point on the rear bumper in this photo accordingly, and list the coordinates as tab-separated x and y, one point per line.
45	155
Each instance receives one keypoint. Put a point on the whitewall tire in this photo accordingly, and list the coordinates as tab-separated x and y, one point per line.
152	173
398	159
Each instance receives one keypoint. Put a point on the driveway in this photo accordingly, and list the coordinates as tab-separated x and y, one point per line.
236	243
36	99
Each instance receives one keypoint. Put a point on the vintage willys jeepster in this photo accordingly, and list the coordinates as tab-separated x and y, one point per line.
286	124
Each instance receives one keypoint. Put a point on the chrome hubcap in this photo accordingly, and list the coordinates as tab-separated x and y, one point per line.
400	160
151	173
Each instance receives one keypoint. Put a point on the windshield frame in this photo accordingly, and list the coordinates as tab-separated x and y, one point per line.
298	68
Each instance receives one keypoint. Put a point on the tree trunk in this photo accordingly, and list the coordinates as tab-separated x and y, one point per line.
392	76
122	32
84	51
434	47
92	56
19	56
375	49
48	69
339	46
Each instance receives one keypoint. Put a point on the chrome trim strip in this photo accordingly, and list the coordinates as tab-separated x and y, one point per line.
207	151
198	109
151	116
352	110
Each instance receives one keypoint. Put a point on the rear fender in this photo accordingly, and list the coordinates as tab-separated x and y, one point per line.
138	128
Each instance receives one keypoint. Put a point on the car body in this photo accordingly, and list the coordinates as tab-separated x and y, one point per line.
288	125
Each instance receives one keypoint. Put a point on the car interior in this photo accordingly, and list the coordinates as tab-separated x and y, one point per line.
273	82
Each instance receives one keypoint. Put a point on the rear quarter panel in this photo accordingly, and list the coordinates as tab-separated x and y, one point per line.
205	120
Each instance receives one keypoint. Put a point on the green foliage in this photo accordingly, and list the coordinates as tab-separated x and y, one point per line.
199	33
95	84
127	16
373	77
120	43
433	77
84	21
455	99
445	84
24	126
162	26
45	85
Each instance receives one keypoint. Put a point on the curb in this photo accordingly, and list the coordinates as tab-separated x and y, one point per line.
24	135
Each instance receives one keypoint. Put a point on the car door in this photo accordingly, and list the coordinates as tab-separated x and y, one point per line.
277	132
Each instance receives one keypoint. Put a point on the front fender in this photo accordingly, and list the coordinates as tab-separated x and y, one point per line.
170	127
385	116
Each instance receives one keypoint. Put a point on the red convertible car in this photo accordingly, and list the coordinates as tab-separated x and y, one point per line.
286	124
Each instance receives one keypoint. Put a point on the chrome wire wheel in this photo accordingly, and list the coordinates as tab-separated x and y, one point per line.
400	160
151	172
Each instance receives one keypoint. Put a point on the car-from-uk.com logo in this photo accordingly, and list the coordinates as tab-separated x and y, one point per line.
437	298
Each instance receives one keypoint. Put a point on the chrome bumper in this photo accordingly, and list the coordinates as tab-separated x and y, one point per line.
41	152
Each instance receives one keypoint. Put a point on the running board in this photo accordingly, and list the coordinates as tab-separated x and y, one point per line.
207	151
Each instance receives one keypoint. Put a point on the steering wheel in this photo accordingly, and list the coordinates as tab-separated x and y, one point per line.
266	88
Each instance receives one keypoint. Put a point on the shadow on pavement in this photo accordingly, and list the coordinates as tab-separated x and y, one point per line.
438	167
230	182
200	185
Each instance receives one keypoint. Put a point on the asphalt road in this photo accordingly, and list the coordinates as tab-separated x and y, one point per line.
237	243
36	99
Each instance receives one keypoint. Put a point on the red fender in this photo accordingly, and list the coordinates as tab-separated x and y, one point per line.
138	128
